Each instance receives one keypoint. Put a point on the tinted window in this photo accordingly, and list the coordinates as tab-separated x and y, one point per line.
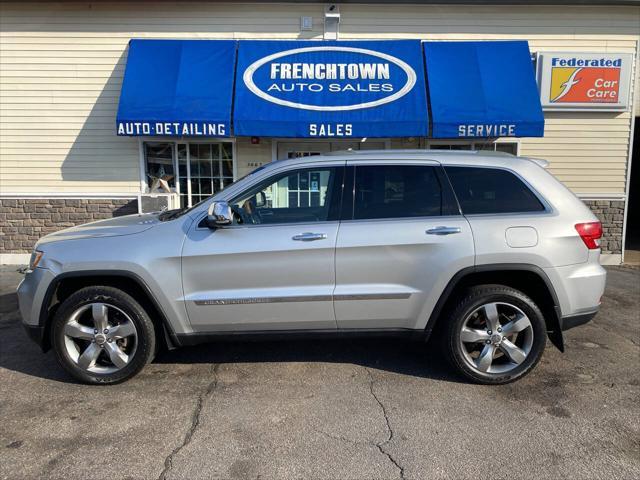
488	190
392	191
293	197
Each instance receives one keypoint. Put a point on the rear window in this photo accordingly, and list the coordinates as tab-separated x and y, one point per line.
490	190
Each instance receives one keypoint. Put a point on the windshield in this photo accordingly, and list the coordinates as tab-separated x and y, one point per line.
178	212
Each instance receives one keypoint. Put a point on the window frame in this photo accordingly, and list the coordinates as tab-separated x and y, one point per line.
547	208
450	205
182	141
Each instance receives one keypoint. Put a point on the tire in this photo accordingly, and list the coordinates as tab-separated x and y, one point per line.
515	344
97	355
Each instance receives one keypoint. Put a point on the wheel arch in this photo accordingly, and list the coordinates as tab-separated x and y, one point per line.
529	279
68	283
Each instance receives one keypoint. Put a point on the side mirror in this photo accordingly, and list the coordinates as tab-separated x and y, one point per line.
219	215
261	199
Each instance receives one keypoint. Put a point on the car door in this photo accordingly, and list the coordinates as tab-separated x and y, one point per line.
274	267
399	246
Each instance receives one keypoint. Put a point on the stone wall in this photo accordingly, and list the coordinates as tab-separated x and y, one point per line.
611	214
24	221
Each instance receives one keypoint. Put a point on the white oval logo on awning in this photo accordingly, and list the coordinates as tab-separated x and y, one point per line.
394	95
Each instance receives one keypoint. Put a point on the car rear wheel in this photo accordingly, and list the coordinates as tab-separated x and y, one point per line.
101	335
495	335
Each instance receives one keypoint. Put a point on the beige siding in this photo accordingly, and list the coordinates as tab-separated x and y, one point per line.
587	151
61	68
252	156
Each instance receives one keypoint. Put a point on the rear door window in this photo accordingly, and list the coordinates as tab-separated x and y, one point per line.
491	190
396	191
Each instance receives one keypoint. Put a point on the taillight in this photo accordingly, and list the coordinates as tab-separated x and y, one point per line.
590	233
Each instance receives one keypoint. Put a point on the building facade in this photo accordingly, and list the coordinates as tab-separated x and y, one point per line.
62	64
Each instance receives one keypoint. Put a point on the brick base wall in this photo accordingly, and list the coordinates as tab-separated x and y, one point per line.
24	221
611	214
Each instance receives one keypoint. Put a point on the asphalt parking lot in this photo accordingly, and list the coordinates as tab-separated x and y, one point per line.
381	409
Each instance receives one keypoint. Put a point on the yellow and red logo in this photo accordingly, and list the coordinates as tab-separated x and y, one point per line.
585	81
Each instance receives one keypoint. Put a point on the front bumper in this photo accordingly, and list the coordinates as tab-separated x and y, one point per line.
32	293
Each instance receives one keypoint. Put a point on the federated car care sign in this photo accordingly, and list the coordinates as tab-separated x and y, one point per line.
575	81
330	89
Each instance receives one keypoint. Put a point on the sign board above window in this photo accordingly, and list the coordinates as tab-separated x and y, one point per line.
482	90
330	89
584	81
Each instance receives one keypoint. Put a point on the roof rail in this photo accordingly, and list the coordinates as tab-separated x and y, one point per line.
421	151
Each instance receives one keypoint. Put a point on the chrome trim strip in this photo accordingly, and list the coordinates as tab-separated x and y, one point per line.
372	296
303	298
253	300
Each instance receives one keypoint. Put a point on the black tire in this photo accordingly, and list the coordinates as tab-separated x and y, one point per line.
146	343
468	303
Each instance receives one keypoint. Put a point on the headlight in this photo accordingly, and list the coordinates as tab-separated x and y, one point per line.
36	256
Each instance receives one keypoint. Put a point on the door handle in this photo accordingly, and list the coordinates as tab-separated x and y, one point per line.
443	230
309	237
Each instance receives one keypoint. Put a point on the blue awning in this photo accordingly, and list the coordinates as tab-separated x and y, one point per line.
312	89
482	89
177	88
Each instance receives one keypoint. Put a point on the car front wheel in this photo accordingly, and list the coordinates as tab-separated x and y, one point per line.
495	335
102	335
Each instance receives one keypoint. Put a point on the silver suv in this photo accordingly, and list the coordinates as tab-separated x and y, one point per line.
489	252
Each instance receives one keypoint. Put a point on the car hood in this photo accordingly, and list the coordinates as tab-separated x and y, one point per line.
111	227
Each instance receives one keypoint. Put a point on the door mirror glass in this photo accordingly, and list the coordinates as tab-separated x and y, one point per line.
261	199
219	215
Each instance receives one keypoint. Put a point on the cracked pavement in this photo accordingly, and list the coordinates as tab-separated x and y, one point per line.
348	409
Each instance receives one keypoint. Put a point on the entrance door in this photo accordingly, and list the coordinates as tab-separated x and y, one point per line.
396	254
274	268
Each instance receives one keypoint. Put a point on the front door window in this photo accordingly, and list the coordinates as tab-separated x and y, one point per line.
300	196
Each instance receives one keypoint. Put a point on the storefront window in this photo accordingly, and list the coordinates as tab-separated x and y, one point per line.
202	169
450	146
507	147
159	167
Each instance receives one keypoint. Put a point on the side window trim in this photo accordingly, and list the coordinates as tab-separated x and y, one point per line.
450	203
348	194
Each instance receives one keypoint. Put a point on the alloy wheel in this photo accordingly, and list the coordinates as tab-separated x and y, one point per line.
496	338
100	338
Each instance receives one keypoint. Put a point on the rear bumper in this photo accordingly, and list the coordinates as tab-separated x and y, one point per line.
572	321
579	288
